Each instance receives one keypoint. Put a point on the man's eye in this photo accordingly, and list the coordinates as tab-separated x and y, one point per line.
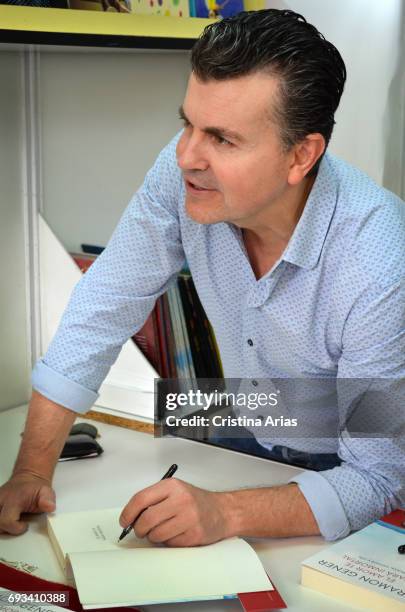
184	122
222	141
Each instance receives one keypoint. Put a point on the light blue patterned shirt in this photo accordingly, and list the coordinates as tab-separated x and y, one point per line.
333	307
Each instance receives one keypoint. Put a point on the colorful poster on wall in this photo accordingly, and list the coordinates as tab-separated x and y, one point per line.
167	8
212	8
170	8
115	6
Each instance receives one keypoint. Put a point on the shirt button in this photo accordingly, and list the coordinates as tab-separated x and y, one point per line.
254	383
250	342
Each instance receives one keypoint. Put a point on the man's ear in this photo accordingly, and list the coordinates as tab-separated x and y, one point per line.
305	155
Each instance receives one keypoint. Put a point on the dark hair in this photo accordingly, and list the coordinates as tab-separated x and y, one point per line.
282	43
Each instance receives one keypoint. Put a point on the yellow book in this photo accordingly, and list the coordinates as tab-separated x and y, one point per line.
134	572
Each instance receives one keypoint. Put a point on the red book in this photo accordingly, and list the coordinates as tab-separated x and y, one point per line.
147	340
83	260
263	601
396	517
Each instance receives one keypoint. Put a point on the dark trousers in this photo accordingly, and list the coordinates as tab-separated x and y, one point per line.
284	454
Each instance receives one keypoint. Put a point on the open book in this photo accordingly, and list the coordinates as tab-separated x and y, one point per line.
134	572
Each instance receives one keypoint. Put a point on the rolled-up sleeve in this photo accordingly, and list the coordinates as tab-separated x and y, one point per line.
113	299
370	482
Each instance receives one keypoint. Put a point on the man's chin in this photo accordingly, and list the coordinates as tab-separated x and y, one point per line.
204	212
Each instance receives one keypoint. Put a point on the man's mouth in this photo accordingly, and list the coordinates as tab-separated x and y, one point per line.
195	187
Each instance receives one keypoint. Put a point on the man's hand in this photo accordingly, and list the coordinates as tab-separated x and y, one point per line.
23	493
29	488
178	514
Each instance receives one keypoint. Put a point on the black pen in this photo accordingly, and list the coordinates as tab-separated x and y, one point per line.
172	469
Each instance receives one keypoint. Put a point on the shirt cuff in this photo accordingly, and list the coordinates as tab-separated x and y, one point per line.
324	503
62	390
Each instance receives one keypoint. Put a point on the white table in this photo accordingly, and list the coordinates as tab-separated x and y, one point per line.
133	460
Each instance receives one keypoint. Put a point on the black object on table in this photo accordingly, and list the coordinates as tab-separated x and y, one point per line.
81	443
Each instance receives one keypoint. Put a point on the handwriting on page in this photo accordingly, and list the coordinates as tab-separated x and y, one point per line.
98	532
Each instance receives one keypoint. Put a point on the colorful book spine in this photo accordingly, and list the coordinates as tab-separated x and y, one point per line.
180	355
192	329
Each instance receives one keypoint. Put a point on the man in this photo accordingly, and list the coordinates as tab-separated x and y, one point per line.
298	259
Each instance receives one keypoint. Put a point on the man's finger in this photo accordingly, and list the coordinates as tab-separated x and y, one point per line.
154	516
15	529
166	531
46	500
142	500
10	520
183	539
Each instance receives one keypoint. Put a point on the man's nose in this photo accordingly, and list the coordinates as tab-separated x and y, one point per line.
191	154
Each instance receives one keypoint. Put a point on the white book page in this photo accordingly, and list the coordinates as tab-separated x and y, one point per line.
160	574
94	530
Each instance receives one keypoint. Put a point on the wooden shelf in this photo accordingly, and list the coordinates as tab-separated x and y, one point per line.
29	25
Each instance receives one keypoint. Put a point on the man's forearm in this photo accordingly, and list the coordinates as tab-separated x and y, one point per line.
269	512
46	429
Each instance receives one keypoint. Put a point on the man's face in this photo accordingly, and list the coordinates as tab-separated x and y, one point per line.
232	149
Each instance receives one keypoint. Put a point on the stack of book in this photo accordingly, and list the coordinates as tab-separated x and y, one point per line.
365	569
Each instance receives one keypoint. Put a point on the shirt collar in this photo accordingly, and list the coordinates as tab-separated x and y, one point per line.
306	243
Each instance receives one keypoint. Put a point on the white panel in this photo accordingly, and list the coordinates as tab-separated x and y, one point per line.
370	121
105	118
14	365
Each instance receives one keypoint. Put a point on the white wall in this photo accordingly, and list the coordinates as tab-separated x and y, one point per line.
105	117
14	366
370	121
